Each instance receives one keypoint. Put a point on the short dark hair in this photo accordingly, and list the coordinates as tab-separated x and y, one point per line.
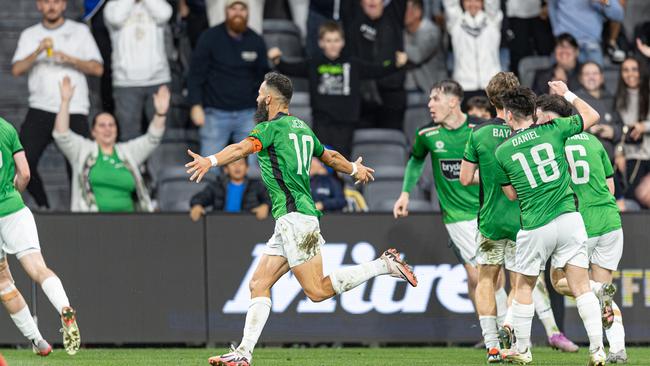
330	26
519	101
450	87
478	101
566	38
281	84
417	3
554	103
500	82
582	67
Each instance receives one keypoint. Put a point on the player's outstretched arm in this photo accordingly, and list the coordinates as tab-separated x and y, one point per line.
338	162
22	171
468	173
589	115
200	165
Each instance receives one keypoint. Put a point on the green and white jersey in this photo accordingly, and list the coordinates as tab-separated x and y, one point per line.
498	217
532	160
288	145
590	168
457	202
10	199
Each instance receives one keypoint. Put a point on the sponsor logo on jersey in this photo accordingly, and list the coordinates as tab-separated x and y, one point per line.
444	283
450	168
249	56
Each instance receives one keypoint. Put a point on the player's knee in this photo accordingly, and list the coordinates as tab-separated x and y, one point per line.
257	286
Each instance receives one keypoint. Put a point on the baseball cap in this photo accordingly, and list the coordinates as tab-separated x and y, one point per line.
230	3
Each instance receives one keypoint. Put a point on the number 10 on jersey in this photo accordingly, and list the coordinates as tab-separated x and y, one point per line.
304	159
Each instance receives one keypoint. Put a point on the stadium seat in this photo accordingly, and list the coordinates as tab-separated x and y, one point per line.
415	98
529	65
387	186
380	155
414	118
379	135
172	152
612	74
300	107
285	35
175	189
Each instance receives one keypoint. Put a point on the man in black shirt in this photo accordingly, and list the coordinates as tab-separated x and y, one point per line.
334	80
374	32
228	65
565	68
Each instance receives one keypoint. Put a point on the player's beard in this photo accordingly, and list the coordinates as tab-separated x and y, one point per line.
237	24
262	112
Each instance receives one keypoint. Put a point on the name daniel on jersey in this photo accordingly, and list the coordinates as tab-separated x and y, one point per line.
526	136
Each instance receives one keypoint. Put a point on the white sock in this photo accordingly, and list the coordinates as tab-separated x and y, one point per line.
501	297
26	324
589	310
543	307
53	289
345	279
489	328
522	320
508	319
616	334
595	286
258	313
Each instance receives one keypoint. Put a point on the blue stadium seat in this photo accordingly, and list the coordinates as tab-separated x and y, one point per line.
529	65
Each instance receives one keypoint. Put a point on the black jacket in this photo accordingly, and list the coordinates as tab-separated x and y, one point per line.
542	77
214	195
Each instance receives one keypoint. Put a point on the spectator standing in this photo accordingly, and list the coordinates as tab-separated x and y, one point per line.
232	192
228	65
423	46
94	17
216	15
609	130
475	37
375	32
105	174
319	12
334	79
47	52
326	190
565	68
139	61
584	20
632	102
531	30
195	16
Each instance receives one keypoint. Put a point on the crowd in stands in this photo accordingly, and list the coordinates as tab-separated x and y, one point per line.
177	72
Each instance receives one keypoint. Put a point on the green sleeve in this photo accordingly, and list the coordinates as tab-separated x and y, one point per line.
607	164
415	165
263	133
500	175
16	146
570	126
471	154
319	149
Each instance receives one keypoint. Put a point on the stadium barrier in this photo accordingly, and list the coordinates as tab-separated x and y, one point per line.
162	279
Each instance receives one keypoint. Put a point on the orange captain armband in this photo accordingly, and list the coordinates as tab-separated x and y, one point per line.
257	144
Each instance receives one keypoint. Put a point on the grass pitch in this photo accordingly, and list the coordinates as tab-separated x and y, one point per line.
300	357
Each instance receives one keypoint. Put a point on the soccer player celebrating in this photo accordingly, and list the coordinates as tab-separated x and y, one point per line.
19	236
445	140
532	167
498	226
285	146
592	181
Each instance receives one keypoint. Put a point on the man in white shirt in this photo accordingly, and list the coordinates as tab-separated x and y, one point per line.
48	51
139	60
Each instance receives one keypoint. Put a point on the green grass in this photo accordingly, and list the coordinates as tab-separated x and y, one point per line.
300	357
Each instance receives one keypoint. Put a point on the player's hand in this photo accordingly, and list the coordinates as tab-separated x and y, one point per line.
261	212
401	206
364	173
197	167
644	48
45	44
401	59
558	87
197	115
196	212
637	131
161	100
274	55
66	88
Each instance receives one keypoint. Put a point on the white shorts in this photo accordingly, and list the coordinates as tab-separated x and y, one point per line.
495	252
296	237
606	250
564	240
18	234
463	240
